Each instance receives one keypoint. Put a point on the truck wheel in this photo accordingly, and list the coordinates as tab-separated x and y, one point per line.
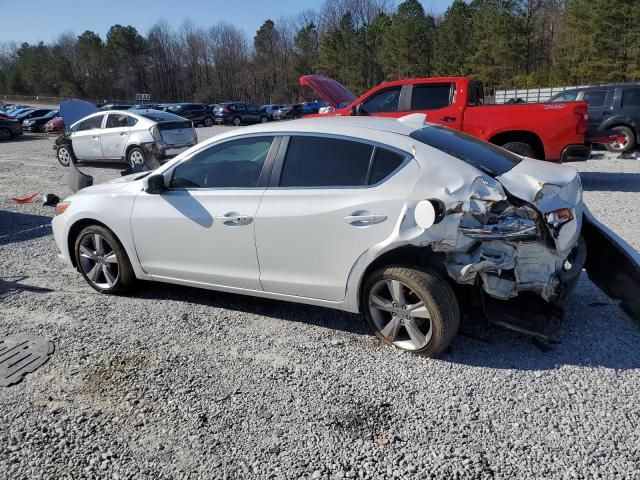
413	310
520	148
626	146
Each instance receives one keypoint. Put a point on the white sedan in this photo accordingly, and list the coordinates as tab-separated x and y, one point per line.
400	220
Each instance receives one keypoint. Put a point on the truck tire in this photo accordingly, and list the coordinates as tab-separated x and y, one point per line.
520	148
626	146
422	304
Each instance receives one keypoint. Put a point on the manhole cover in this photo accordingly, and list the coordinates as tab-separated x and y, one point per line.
22	354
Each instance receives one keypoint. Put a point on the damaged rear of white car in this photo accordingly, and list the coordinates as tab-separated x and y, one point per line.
513	239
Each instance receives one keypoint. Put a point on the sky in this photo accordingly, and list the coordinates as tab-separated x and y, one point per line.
44	20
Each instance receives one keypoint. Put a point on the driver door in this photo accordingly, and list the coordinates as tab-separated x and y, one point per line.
85	138
202	230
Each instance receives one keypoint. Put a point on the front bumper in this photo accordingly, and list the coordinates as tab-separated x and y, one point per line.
576	153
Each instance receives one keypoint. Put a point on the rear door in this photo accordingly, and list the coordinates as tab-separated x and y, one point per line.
85	138
330	199
437	101
115	135
600	104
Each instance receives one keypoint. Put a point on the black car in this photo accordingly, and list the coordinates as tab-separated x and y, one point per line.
237	113
9	128
198	113
36	124
611	107
289	112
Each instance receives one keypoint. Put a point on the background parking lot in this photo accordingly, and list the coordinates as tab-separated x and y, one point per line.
175	382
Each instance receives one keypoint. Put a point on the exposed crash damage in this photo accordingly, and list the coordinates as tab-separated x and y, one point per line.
521	234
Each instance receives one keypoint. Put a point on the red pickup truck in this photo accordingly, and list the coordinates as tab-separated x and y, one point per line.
550	131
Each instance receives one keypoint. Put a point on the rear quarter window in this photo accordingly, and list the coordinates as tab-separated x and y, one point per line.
485	156
631	97
431	97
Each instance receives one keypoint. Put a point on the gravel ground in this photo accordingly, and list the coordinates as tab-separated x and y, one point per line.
183	383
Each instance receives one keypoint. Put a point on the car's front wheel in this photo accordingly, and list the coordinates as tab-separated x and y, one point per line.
5	134
208	122
413	310
135	157
64	155
103	261
236	121
264	119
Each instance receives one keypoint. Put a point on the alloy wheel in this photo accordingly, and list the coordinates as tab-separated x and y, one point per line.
400	315
98	261
620	146
64	157
136	158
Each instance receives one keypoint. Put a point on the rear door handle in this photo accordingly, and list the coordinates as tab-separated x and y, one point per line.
235	219
123	134
361	219
449	119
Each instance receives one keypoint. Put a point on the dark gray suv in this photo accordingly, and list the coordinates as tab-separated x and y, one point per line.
611	107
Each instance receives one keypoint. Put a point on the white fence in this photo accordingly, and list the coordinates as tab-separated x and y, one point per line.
531	95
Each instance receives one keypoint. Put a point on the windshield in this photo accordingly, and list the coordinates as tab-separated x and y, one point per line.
485	156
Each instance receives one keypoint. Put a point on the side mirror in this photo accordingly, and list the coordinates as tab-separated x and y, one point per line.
155	185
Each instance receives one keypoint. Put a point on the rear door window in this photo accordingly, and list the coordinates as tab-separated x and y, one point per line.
431	96
116	120
325	162
384	101
595	98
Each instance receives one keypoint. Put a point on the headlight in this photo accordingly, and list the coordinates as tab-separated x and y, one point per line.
61	207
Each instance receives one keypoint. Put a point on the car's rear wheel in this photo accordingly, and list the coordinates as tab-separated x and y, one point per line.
628	144
64	155
520	148
135	157
102	260
413	310
264	119
208	121
5	134
236	121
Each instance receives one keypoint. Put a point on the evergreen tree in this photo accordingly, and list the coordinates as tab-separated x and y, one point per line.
408	46
453	44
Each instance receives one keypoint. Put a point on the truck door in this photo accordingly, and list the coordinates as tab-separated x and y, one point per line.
438	102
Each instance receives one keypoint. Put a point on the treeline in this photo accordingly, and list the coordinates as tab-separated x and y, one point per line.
523	43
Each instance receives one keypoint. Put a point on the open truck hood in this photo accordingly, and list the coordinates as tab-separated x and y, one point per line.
328	89
73	110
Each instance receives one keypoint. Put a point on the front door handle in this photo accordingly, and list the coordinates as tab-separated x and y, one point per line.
361	219
235	219
449	119
122	134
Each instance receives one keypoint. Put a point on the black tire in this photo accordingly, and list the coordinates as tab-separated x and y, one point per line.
207	122
626	147
520	148
435	293
136	156
5	134
264	119
296	117
125	278
65	155
236	121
